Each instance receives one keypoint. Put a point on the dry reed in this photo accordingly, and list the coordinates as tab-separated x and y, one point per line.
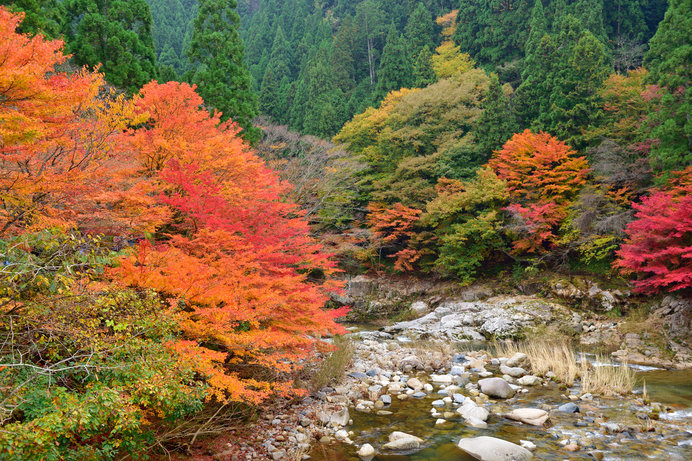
558	357
544	356
606	378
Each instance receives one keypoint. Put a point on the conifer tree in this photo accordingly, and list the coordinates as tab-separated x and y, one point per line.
396	69
419	30
222	78
533	93
40	16
575	101
115	34
497	124
423	71
668	62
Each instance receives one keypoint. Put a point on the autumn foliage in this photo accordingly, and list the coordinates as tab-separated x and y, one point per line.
538	167
238	263
394	228
543	175
658	249
241	277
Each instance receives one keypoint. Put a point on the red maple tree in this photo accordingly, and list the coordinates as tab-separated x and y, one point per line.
659	244
238	262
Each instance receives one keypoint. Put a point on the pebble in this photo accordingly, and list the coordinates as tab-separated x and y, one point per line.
569	408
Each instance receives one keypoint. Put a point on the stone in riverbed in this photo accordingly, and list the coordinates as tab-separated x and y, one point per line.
496	387
386	399
458	398
493	449
438	403
569	407
366	451
529	380
518	360
471	410
514	372
528	445
418	395
441	379
532	416
477	423
340	418
456	370
414	383
402	441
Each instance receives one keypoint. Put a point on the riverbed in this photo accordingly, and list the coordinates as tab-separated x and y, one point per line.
620	428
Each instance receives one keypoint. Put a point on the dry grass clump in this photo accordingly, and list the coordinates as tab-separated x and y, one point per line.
606	379
558	357
333	366
544	356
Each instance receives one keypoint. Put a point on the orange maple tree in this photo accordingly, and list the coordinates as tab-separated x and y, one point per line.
59	161
539	168
394	228
543	175
238	263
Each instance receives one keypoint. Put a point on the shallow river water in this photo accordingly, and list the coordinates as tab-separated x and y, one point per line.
671	440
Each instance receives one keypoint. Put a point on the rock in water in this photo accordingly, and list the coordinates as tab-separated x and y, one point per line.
477	423
492	449
529	380
402	441
366	451
569	407
496	387
470	410
415	384
532	416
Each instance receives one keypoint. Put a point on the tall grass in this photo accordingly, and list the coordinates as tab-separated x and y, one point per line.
606	379
558	357
333	366
545	356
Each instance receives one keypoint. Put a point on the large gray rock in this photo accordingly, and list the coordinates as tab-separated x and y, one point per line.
499	317
496	387
493	449
532	416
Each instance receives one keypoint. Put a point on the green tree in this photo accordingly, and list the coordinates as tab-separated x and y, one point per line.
222	78
492	31
419	30
497	123
533	94
272	98
575	100
396	69
44	16
423	71
668	62
115	34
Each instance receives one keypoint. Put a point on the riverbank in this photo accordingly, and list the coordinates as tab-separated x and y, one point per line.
407	375
440	396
